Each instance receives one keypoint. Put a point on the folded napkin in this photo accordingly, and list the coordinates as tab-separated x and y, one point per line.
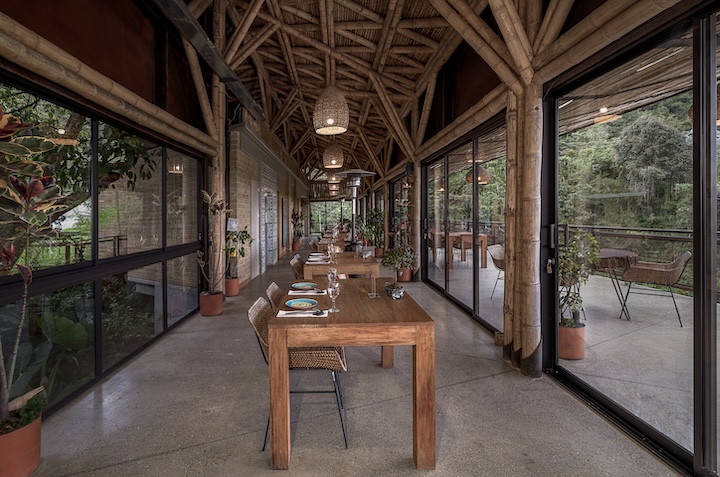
301	314
318	262
307	292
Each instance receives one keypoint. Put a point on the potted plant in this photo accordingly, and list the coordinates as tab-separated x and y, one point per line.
235	241
575	262
376	230
211	301
31	204
399	259
296	218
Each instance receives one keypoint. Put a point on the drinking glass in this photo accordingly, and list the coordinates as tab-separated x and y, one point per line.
330	252
332	275
334	291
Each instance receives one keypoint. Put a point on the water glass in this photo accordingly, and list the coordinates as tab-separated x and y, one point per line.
334	292
332	275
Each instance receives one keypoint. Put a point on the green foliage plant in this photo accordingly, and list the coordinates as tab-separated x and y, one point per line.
296	219
30	205
374	221
398	258
235	242
217	208
575	262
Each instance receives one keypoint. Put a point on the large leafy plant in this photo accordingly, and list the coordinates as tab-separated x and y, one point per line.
212	267
29	204
575	263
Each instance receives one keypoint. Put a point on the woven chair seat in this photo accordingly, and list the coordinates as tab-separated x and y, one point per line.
657	273
332	358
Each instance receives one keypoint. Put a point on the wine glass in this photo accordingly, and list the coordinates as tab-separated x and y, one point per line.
332	275
331	252
334	291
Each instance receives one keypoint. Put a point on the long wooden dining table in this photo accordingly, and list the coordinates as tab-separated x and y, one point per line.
361	321
346	263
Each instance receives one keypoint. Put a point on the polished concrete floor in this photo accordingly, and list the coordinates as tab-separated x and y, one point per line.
195	404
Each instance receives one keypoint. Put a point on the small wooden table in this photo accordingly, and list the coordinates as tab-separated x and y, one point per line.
362	321
346	263
464	242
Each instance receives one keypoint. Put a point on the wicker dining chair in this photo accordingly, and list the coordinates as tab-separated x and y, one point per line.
661	274
497	254
297	268
313	245
275	295
327	358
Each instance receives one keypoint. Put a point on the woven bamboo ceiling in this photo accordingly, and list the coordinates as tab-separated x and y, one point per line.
384	55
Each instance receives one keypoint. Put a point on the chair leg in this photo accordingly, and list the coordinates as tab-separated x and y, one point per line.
267	433
672	295
340	390
496	282
340	406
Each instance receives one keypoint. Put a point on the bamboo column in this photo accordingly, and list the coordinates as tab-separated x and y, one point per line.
510	228
528	308
217	162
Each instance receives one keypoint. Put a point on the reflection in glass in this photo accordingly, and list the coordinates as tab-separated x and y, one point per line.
57	349
131	311
181	199
130	212
182	287
436	223
625	167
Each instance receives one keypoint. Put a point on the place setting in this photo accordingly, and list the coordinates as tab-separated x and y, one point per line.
302	308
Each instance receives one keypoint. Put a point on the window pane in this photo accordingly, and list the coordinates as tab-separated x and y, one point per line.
182	183
625	167
68	162
182	287
57	347
130	214
131	311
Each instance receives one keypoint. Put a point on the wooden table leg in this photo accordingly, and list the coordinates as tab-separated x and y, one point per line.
279	399
424	398
387	354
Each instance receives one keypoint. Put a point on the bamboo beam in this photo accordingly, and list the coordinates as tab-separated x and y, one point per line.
27	49
515	36
552	23
289	107
498	64
239	34
427	105
532	17
483	29
370	153
487	107
394	120
265	33
200	89
609	22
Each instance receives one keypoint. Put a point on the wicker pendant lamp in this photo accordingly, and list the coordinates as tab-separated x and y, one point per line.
483	176
331	115
333	179
333	156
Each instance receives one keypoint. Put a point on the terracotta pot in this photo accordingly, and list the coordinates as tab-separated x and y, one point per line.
379	251
20	450
296	246
405	275
571	342
211	304
232	286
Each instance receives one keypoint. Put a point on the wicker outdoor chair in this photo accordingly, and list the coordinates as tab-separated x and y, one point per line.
275	296
297	268
497	254
662	274
327	358
313	245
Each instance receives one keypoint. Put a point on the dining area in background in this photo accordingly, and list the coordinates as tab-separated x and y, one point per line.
346	263
328	312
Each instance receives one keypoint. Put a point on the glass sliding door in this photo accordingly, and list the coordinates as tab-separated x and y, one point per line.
625	205
459	240
435	234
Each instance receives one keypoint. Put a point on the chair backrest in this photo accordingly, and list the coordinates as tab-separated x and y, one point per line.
313	246
677	267
275	295
297	268
497	254
258	315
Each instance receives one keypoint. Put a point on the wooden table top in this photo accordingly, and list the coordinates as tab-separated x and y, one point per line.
357	308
